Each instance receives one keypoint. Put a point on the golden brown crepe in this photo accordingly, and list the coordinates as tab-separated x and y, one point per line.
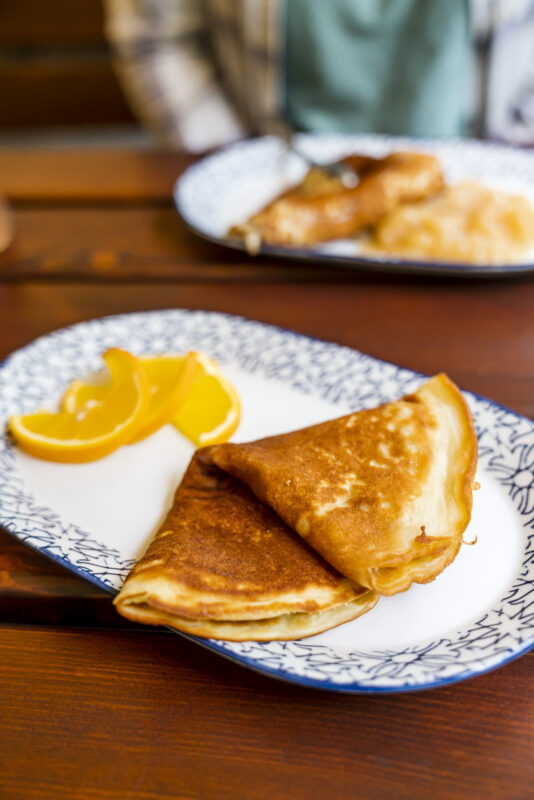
321	208
224	565
384	495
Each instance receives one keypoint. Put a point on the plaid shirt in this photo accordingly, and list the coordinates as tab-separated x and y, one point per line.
202	73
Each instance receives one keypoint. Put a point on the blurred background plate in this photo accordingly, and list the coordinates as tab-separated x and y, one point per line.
225	188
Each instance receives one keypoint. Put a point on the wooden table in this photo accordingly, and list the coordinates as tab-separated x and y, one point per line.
92	707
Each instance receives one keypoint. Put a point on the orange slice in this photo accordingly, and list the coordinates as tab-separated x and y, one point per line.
169	377
210	412
98	426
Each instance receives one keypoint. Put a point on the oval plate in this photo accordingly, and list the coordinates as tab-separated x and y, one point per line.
477	615
225	188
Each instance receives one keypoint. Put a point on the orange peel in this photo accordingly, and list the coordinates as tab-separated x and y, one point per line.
109	418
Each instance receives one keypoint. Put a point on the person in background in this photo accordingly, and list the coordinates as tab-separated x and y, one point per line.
203	73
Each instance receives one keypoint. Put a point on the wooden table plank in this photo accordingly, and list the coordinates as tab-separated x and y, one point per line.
86	176
152	716
36	590
481	334
73	87
148	242
151	242
51	22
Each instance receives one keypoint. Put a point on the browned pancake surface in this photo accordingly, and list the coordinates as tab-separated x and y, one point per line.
383	495
355	472
229	556
352	471
372	490
321	208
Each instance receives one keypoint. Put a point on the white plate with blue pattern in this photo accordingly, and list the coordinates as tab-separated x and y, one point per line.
96	519
226	188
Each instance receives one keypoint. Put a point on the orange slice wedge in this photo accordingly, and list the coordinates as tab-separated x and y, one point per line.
169	377
112	412
211	411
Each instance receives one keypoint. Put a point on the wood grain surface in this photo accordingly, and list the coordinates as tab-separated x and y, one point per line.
106	176
50	23
61	88
481	334
56	66
114	242
127	714
150	716
139	243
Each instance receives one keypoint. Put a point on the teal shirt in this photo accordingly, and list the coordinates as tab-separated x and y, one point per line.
384	66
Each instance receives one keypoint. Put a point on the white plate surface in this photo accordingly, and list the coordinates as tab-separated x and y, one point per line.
224	189
97	518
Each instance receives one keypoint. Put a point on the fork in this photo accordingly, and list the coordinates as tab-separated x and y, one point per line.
348	176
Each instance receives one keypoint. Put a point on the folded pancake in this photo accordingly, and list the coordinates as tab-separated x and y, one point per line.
224	565
384	495
321	208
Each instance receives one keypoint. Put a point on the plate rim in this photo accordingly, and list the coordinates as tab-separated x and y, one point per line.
352	687
391	265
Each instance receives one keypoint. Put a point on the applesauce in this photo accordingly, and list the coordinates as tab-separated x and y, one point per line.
467	223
